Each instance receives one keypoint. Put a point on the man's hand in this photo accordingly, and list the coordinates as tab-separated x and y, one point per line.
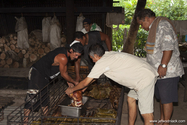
162	71
69	91
84	89
79	86
76	83
70	84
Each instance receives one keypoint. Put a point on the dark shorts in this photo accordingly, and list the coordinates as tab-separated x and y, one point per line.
36	80
40	99
166	90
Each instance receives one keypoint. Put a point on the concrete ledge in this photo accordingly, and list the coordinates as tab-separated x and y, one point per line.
12	92
14	72
18	95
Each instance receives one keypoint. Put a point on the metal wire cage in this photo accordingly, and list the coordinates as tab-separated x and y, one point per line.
54	92
46	115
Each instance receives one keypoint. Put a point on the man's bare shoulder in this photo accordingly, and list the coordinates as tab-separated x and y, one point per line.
103	36
61	57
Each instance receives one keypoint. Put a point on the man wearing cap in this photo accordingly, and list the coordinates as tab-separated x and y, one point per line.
91	38
89	26
47	68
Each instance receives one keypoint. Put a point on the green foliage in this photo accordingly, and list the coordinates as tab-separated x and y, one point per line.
140	43
117	37
130	6
172	9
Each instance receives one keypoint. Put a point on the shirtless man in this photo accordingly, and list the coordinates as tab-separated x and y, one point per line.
45	69
92	37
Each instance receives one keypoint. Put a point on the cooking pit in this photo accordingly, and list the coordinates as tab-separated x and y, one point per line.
97	109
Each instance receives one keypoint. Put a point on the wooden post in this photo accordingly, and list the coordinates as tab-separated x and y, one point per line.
129	44
4	26
70	20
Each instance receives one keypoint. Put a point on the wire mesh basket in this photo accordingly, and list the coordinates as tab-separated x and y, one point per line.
39	115
55	91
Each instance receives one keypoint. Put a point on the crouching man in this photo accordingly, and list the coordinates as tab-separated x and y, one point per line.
43	71
127	70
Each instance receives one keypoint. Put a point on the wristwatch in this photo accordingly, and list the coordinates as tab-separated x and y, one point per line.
163	65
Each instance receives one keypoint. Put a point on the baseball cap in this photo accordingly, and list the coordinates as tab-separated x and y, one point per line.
86	21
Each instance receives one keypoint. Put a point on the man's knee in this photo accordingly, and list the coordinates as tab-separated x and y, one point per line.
148	118
148	115
131	100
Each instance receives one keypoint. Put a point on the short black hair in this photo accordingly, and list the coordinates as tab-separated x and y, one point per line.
86	21
145	13
79	35
77	47
97	49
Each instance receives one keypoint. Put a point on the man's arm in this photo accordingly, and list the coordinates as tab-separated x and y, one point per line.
87	38
62	59
77	69
81	85
105	38
165	60
77	62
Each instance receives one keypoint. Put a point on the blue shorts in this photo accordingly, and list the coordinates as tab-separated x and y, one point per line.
166	90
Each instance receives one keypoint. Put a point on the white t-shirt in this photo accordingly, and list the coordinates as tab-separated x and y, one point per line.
125	69
94	27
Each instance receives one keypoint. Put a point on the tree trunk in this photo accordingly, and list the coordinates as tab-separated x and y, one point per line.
20	55
26	55
9	61
2	62
1	45
15	65
12	47
2	40
129	44
23	51
6	66
6	48
3	55
17	50
40	51
13	42
46	49
33	57
11	54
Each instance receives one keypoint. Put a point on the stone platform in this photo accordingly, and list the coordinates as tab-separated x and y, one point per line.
14	78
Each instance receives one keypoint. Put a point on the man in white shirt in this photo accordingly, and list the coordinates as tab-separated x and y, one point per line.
89	26
163	55
127	70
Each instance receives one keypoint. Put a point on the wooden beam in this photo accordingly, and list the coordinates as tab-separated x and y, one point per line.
70	21
60	9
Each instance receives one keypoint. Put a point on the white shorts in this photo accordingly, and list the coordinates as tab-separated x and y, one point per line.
145	97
